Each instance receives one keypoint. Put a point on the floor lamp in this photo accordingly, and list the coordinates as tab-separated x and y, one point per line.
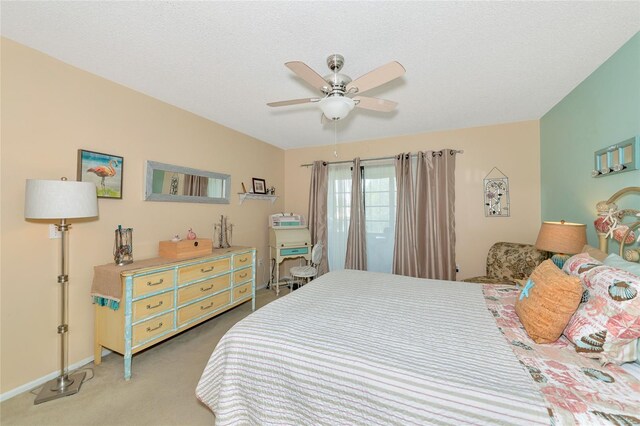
61	199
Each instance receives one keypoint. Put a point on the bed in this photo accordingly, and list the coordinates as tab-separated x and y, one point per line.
369	348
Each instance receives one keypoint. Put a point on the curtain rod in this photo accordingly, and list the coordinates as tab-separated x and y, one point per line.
457	151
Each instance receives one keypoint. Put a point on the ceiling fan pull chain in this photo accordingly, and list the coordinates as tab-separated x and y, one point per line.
335	138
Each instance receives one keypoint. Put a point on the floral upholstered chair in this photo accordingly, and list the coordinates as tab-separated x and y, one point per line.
508	262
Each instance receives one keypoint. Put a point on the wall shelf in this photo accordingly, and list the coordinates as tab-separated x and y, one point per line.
250	196
614	159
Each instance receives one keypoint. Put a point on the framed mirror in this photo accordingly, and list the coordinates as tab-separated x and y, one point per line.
166	182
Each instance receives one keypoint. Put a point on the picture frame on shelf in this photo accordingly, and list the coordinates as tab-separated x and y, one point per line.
259	186
104	170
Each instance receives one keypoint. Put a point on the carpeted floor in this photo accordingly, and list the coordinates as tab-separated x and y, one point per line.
161	390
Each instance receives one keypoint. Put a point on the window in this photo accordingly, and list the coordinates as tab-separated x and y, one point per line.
338	213
379	186
379	190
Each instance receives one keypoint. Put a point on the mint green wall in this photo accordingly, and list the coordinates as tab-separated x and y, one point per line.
602	110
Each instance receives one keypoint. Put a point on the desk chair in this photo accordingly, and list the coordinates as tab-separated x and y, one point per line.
303	274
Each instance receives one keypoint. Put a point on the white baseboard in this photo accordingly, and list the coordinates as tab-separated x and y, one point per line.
35	383
42	380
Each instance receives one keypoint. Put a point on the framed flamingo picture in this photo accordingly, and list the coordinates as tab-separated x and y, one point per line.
105	170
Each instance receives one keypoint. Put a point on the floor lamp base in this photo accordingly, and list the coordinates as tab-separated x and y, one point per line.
52	389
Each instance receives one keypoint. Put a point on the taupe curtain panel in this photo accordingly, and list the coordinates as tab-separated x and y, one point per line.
318	210
195	185
356	241
435	214
405	256
425	220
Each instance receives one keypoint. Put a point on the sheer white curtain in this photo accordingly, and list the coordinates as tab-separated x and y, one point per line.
380	214
379	190
338	211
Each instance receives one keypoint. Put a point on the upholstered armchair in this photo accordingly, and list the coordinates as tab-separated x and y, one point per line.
508	262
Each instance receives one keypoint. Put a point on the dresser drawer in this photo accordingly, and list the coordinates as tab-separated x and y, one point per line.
241	260
151	305
242	275
151	283
292	251
203	307
203	288
149	329
242	291
203	270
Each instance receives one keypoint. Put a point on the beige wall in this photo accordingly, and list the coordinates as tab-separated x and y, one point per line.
514	148
49	111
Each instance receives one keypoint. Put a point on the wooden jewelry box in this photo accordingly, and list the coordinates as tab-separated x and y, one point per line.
185	249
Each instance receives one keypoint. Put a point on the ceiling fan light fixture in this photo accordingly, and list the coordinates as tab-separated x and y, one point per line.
336	107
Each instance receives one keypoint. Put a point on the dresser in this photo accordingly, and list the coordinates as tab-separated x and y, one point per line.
169	297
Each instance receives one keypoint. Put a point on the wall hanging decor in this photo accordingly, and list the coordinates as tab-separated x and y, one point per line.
105	170
496	194
618	158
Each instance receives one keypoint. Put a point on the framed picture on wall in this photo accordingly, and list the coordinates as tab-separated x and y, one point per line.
105	170
259	186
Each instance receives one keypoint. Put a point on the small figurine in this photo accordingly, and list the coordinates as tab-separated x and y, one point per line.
191	235
176	238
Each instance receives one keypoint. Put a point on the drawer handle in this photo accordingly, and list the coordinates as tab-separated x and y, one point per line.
202	308
207	270
244	259
150	284
206	288
243	275
149	329
155	306
243	291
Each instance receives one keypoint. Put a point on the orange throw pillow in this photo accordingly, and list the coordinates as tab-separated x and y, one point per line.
547	302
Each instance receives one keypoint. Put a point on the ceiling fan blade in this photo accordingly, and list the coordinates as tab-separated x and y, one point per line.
293	102
375	104
307	74
377	77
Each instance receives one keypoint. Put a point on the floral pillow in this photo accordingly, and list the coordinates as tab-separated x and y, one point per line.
579	264
607	322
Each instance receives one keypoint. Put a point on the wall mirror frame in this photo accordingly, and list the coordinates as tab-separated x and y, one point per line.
219	184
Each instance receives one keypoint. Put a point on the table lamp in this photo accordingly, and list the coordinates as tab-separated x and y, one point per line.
562	238
61	199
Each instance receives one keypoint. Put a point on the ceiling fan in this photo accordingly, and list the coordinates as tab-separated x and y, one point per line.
340	93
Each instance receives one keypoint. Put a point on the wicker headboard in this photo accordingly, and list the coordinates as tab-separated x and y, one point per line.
611	224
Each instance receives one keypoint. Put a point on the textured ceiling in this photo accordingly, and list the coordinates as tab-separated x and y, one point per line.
468	63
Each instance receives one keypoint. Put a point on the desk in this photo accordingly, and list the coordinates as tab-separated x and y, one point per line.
288	244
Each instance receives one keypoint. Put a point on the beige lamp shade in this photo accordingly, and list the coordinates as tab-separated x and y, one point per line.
60	199
562	237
